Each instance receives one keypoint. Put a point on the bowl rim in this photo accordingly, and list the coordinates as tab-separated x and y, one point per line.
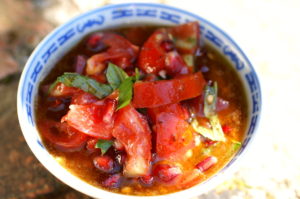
221	175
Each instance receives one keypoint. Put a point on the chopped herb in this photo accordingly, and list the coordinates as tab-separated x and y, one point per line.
188	43
137	74
210	100
84	83
206	151
115	75
214	133
125	92
104	145
236	145
189	60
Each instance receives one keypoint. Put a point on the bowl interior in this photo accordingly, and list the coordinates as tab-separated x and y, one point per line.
62	39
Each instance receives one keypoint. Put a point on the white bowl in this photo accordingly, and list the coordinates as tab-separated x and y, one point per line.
62	39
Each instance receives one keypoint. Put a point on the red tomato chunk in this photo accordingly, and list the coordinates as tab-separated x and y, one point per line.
158	93
92	119
132	130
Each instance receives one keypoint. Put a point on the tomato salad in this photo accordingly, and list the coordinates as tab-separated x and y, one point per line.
142	110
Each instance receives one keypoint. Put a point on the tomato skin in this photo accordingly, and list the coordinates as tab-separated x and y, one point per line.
133	132
62	136
95	120
158	93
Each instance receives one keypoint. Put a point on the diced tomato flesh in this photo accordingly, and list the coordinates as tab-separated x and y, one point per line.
158	93
95	120
174	137
133	131
158	53
90	145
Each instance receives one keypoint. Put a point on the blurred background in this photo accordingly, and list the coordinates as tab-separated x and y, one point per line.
267	30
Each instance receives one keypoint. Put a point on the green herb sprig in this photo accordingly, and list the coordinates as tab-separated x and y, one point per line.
117	80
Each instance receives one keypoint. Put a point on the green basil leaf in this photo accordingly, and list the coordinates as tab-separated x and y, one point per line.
103	145
115	75
210	100
125	92
84	83
215	133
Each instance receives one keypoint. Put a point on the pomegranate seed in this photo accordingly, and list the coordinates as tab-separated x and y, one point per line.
222	104
226	129
147	180
208	142
94	43
79	64
167	45
113	181
104	163
166	173
206	163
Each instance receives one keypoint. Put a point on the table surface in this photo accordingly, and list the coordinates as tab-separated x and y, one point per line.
265	29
